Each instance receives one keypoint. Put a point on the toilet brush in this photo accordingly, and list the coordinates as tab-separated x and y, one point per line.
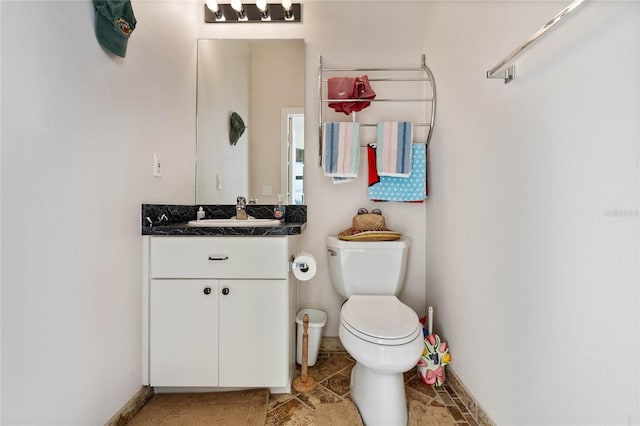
304	383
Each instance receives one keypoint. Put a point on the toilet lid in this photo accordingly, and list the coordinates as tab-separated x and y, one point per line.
380	319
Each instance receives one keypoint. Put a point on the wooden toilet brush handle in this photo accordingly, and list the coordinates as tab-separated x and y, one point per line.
304	383
305	346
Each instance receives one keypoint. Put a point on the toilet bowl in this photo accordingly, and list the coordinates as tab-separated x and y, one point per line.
384	336
381	333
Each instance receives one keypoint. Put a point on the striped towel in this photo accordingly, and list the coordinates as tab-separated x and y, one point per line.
394	148
341	150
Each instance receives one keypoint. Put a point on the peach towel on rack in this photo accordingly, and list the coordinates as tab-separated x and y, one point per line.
393	151
341	151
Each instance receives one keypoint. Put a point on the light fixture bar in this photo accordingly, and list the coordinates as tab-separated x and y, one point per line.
252	13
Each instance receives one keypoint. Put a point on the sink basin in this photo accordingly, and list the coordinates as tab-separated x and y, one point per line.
232	221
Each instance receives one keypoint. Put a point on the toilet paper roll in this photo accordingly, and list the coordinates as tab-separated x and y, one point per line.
304	274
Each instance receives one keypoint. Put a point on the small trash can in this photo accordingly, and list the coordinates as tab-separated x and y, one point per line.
317	321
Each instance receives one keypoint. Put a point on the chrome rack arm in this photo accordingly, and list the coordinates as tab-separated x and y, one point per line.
502	70
320	114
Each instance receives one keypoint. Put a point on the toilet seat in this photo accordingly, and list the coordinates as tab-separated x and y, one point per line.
383	320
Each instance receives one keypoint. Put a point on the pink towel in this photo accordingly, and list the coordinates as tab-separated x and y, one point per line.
349	88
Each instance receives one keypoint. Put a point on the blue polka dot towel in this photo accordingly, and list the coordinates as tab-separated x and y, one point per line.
411	188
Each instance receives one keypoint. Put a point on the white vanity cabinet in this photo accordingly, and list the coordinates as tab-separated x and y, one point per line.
219	312
183	333
252	333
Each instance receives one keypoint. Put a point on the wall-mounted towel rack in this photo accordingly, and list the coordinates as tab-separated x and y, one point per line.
503	70
421	77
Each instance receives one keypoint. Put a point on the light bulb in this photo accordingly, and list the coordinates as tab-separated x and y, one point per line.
262	4
212	5
236	5
286	4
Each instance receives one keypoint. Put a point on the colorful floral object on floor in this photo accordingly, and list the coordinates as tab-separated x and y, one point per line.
434	357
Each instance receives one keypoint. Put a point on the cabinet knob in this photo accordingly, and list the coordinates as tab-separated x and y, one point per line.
207	290
225	291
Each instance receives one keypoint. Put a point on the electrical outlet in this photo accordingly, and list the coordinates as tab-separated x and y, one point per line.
267	190
157	170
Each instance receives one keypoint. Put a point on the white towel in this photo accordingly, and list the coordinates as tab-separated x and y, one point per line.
341	151
393	153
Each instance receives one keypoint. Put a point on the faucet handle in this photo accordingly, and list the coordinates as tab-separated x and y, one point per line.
241	201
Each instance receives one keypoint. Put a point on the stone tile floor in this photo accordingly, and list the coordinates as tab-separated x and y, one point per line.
332	373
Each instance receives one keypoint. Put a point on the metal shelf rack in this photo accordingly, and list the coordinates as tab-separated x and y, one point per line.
412	80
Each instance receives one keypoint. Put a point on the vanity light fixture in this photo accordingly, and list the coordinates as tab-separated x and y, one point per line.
264	10
215	10
260	11
288	12
239	8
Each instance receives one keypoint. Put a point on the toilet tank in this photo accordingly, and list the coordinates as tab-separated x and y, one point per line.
371	267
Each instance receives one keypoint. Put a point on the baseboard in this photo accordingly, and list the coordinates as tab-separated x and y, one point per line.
131	408
476	410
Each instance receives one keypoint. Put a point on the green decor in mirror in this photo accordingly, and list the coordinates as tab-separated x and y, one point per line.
236	128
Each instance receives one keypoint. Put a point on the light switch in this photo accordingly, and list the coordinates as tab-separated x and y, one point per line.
267	190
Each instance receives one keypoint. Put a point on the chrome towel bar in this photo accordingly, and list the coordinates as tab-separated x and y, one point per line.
508	72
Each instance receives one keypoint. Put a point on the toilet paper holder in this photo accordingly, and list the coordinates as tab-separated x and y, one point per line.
299	265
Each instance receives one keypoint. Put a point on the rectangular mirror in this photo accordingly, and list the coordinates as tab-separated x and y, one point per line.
262	81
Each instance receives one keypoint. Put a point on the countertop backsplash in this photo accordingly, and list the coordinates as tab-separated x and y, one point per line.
171	219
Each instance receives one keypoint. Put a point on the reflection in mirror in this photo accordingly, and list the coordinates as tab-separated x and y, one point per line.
293	156
263	82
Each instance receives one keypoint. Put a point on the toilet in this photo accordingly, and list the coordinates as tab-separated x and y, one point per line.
382	334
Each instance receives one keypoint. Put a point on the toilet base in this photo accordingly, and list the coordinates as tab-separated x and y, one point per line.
380	398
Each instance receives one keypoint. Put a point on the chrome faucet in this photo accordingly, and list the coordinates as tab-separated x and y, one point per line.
241	208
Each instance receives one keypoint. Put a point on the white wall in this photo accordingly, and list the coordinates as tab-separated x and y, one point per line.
79	130
347	34
358	43
533	218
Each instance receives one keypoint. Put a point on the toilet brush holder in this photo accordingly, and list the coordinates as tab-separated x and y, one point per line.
305	383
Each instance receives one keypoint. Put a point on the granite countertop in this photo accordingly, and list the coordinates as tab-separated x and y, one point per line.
170	219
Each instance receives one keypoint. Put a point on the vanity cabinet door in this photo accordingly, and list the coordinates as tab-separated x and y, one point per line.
253	333
183	327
